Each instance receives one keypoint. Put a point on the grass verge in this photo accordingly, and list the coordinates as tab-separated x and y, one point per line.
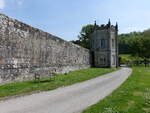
132	97
46	84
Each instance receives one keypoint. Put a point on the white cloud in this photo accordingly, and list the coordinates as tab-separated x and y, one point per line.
2	4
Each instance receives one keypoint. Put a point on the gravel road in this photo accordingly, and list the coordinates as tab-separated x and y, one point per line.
71	99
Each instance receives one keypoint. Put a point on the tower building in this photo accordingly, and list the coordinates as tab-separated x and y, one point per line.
104	45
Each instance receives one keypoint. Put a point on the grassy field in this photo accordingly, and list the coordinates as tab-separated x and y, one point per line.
27	87
132	97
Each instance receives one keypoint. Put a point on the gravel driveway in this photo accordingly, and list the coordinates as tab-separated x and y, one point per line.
71	99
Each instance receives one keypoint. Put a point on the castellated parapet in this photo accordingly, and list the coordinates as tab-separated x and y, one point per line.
25	50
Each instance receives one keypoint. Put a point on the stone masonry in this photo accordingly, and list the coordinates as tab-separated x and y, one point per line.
25	50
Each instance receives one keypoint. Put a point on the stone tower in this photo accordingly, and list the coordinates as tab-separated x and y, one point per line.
104	45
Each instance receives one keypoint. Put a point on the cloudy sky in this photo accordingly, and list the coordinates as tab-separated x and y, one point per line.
65	18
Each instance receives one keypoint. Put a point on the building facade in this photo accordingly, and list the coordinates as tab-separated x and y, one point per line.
104	45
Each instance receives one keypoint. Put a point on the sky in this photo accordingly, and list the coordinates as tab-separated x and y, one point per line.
65	18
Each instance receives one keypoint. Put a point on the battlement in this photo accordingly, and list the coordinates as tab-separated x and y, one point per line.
106	26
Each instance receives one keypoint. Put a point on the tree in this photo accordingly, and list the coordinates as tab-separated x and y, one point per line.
124	41
140	47
146	33
85	34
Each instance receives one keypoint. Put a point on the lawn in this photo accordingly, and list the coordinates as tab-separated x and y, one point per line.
27	87
132	97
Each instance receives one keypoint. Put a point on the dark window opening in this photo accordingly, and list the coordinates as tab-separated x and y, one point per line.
103	44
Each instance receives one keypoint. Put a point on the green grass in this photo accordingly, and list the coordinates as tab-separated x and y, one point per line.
26	87
132	97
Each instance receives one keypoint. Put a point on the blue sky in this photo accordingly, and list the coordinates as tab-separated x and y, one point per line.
64	18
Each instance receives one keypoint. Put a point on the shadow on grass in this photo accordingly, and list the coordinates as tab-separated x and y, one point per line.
42	81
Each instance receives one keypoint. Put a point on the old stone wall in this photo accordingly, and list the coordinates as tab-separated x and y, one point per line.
25	50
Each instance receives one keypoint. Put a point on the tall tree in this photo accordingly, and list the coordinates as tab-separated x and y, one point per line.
84	36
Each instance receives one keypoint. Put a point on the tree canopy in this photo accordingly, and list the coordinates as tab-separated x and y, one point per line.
140	46
84	36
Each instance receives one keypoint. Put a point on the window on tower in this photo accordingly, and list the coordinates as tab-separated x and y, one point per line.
103	43
113	43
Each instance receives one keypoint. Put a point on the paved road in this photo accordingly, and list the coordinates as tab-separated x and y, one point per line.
71	99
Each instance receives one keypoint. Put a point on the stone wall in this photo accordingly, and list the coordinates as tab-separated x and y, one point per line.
25	50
